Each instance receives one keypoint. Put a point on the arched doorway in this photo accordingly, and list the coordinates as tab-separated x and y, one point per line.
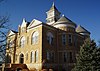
21	59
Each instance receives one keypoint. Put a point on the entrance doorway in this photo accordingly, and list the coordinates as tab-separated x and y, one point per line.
21	59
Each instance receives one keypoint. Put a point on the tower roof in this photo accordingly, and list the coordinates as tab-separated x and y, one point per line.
53	7
81	29
65	20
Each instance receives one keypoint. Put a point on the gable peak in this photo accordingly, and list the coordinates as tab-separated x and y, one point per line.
24	23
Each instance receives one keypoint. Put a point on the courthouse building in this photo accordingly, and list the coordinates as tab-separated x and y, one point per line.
45	46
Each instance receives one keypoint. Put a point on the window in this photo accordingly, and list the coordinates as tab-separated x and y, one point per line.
36	56
50	56
35	37
70	39
65	56
64	39
50	38
48	21
70	57
75	40
22	42
52	20
10	44
32	57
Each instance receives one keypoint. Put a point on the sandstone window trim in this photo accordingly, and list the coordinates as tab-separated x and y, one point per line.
35	37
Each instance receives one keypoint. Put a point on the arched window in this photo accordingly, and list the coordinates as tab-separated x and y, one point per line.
50	38
22	42
35	37
21	58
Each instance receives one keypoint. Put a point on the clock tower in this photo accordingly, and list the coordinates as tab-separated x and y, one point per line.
52	15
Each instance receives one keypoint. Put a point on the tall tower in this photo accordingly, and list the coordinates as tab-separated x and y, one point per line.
52	15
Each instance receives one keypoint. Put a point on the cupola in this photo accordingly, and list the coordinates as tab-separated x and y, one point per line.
52	15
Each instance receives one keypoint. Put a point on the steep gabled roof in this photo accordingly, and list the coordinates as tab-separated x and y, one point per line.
81	29
34	23
11	32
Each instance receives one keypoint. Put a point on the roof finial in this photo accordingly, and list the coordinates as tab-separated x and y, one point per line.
24	20
63	15
53	4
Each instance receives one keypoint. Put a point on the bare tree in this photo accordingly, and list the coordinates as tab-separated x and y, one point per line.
99	43
3	32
